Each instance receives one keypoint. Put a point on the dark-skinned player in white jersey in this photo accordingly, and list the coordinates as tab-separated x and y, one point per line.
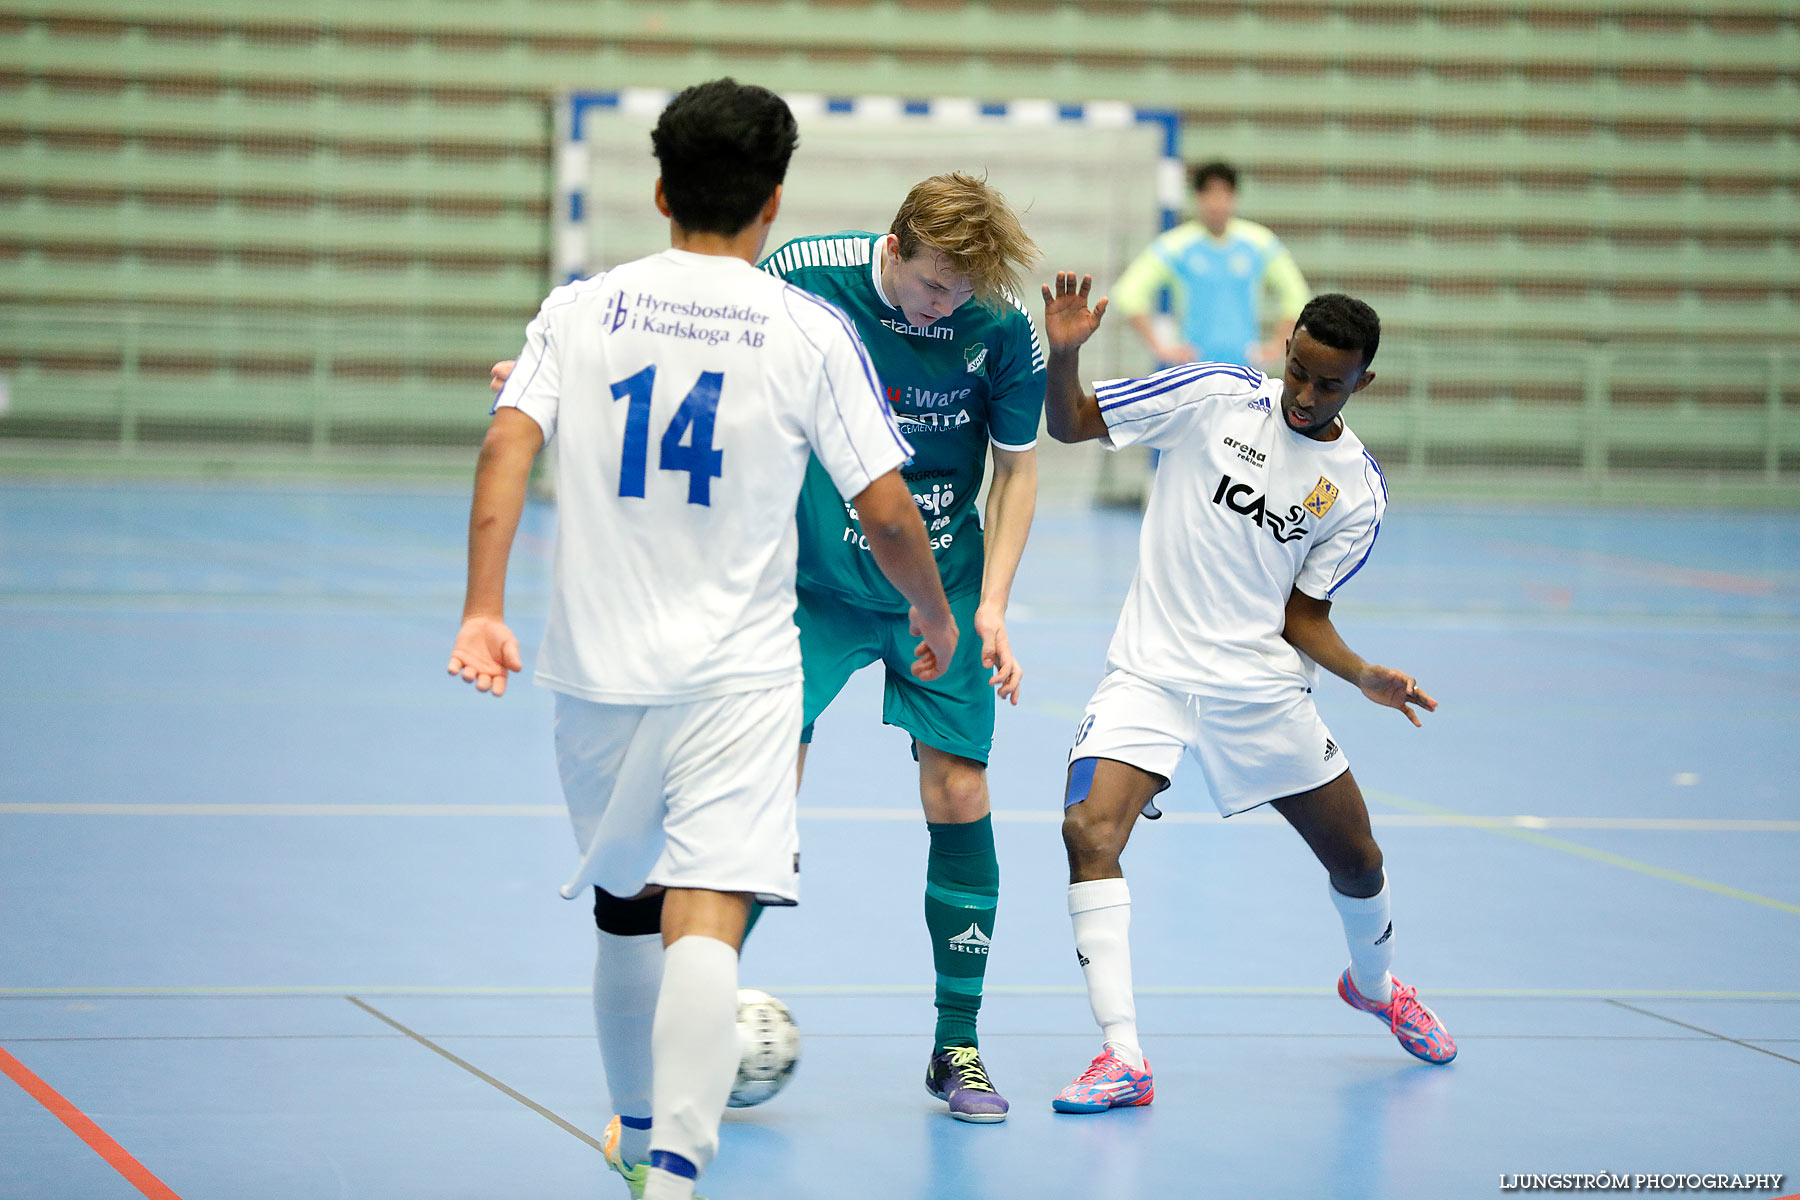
1263	506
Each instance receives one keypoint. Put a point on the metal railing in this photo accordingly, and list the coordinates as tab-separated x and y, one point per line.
329	386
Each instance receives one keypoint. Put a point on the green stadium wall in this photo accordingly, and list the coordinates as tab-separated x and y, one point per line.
231	230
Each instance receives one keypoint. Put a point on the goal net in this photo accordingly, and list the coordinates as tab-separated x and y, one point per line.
1093	183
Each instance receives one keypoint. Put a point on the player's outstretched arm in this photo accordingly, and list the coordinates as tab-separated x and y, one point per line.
1071	413
890	520
1310	630
486	650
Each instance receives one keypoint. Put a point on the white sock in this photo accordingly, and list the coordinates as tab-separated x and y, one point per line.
627	976
1369	931
696	1048
1100	910
661	1185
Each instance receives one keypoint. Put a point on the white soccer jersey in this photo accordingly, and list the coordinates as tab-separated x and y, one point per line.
685	392
1243	510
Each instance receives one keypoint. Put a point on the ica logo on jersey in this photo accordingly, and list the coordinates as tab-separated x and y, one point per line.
1245	500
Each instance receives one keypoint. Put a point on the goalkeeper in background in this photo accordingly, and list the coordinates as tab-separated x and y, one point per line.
1217	269
935	301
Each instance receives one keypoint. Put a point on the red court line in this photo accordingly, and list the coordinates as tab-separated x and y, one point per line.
135	1173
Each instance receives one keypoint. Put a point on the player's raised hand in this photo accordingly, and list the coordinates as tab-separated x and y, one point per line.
1068	322
997	655
1395	689
937	644
485	651
499	373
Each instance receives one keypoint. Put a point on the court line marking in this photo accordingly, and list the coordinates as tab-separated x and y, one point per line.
413	604
267	991
97	1139
1600	856
477	1072
1710	1033
1426	818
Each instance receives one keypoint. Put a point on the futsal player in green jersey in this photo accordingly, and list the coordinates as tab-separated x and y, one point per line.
934	301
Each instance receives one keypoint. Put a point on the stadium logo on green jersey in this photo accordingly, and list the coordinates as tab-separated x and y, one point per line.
975	356
942	333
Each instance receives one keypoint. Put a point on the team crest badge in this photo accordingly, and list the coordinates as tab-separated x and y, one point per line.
1324	495
975	356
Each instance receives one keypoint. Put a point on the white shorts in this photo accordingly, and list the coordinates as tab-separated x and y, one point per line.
694	795
1251	752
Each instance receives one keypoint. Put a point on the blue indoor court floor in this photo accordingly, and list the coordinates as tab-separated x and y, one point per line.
278	908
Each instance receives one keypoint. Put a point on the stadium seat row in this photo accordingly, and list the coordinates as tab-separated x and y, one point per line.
281	222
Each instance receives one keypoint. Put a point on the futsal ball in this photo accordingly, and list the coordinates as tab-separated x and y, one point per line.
768	1048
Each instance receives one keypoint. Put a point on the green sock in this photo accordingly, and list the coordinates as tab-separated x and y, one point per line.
962	888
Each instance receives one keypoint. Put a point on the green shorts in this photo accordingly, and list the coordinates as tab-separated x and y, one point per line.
953	713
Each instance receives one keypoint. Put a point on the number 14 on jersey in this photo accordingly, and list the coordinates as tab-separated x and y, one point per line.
692	421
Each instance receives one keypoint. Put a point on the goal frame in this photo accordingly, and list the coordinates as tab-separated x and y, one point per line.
569	241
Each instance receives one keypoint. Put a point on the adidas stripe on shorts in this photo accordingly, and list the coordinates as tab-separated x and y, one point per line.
1251	752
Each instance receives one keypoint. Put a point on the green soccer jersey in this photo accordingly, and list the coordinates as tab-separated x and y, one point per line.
974	377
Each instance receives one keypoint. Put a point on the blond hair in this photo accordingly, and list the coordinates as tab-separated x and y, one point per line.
972	226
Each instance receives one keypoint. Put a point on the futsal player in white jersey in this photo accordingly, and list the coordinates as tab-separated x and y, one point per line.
685	392
1264	505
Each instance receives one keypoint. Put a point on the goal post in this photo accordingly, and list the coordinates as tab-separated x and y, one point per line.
1093	182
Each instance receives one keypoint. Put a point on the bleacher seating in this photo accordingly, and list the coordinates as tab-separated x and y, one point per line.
317	225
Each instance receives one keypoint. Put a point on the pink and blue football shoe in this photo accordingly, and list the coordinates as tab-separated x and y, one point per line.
1418	1029
1109	1082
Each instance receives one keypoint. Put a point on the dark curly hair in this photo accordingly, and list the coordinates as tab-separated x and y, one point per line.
724	147
1343	323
